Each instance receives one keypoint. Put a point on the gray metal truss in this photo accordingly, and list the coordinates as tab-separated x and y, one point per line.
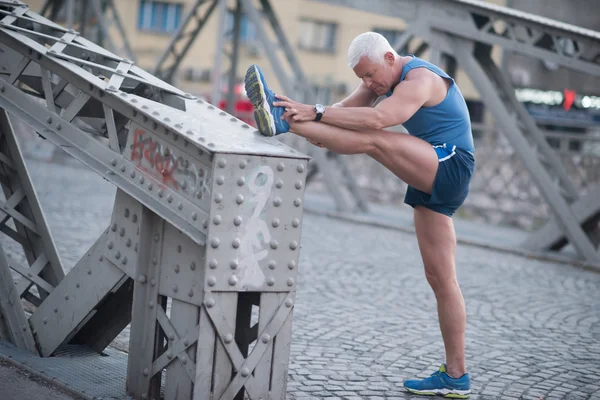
466	30
206	222
288	72
105	13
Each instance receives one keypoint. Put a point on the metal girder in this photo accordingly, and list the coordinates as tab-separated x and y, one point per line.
515	31
31	230
14	326
106	15
491	95
182	40
75	300
552	237
105	25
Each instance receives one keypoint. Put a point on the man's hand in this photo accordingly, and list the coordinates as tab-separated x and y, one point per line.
295	112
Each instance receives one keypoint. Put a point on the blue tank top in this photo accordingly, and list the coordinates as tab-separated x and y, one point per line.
447	122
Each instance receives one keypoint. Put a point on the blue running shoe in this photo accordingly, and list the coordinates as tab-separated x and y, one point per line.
268	117
440	383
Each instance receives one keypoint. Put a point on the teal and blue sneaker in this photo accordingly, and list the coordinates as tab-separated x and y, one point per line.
268	117
440	383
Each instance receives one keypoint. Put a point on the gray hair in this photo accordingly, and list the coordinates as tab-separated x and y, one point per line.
369	44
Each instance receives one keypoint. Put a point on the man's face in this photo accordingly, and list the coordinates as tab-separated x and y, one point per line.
376	76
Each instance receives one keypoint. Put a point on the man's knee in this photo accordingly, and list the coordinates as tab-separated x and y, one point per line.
440	280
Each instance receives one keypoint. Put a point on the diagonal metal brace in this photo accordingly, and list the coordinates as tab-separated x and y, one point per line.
245	366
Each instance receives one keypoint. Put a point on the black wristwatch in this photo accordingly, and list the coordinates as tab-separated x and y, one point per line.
320	109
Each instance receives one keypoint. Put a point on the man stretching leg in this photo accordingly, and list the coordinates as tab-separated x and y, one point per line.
436	161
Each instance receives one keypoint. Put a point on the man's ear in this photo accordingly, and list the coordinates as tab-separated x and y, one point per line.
389	58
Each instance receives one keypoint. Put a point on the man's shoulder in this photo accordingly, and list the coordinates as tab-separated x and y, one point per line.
420	72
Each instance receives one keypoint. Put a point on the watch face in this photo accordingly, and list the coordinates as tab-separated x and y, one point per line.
320	108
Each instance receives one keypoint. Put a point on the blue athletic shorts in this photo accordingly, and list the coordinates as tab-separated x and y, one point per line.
451	184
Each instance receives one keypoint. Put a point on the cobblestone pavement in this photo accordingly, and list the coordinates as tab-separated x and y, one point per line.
365	318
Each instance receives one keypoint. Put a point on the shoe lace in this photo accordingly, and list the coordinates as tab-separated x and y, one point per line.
435	374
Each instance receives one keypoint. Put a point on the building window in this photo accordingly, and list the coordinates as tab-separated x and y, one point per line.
317	36
392	35
248	32
159	16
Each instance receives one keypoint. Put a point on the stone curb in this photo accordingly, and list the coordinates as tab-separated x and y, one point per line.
529	254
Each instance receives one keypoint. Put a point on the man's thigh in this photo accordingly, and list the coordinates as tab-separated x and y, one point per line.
409	158
437	242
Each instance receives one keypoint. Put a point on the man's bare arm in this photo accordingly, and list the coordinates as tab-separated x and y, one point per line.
407	97
362	96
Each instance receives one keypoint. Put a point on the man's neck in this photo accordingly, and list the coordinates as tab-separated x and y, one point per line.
401	62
